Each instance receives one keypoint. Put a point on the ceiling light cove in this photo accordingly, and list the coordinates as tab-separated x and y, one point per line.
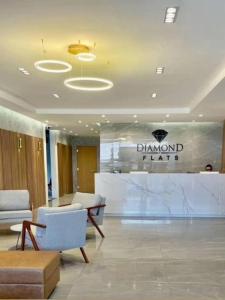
89	84
154	95
58	66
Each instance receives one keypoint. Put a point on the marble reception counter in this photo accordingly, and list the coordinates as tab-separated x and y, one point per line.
167	195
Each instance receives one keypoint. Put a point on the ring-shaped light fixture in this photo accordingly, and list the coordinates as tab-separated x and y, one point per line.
66	67
88	57
73	83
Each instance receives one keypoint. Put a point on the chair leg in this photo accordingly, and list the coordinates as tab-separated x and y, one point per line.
84	255
96	225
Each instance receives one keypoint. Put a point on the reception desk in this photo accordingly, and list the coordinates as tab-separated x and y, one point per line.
163	195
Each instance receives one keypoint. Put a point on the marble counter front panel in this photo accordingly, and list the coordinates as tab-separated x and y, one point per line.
169	195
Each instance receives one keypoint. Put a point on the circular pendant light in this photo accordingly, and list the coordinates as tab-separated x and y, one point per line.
64	66
86	57
76	83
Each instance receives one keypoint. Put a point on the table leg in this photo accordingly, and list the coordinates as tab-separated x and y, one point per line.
18	238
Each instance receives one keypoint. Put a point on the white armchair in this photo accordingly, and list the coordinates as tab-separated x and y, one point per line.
57	228
14	206
95	205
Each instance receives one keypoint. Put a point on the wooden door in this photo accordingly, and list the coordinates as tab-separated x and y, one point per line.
65	176
86	168
14	166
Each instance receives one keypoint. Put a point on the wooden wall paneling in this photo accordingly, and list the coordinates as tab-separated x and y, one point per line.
19	161
35	171
1	166
60	169
223	150
69	170
41	193
31	169
6	160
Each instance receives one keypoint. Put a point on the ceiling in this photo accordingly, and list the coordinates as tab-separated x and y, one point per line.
131	41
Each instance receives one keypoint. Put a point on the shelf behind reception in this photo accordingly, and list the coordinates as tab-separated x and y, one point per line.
163	195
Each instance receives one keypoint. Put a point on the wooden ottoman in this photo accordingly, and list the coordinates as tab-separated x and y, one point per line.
28	274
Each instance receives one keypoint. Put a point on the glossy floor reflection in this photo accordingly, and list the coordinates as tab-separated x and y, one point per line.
145	259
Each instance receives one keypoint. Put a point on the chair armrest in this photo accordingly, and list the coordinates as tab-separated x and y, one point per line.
94	207
27	228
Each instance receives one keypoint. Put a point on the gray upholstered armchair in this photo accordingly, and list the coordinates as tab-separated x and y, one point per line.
57	228
95	205
14	206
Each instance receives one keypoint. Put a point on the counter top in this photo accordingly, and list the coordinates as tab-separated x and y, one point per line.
163	194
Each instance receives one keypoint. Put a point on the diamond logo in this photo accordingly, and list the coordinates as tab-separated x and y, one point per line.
159	134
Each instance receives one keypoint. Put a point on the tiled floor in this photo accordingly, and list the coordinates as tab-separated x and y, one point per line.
145	259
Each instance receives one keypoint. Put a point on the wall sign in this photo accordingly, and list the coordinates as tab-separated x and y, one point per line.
159	151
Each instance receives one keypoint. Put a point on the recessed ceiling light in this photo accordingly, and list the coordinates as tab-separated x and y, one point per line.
103	116
170	15
135	116
22	70
98	124
92	129
200	115
79	121
56	96
167	115
65	67
64	128
107	121
136	121
46	121
86	125
154	95
71	131
160	70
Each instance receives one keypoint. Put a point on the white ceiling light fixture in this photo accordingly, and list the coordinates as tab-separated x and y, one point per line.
154	95
76	84
79	121
135	116
136	121
42	65
160	70
107	121
87	57
92	129
86	125
82	51
103	116
98	124
171	15
167	115
200	115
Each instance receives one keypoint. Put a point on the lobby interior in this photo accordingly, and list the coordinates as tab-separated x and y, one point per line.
112	149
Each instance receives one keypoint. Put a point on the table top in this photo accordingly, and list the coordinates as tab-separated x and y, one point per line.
16	227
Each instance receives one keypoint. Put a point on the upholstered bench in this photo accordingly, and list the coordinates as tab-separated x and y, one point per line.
28	274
